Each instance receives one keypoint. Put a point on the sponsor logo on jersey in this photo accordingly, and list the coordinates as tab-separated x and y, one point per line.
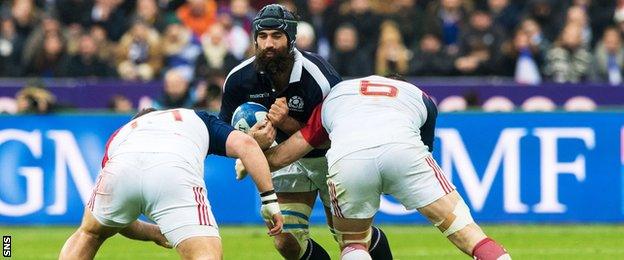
261	95
295	103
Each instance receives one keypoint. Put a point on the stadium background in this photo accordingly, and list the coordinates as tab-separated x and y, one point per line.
531	130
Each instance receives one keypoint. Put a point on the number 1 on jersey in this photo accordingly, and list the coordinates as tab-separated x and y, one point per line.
176	115
368	88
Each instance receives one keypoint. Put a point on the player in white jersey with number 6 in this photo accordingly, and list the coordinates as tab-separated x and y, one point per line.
381	133
154	165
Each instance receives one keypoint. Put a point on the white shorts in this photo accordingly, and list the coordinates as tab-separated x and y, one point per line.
357	180
161	186
306	174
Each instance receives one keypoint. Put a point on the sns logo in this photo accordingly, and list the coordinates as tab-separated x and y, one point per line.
6	246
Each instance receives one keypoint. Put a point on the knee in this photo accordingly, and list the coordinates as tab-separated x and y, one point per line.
287	246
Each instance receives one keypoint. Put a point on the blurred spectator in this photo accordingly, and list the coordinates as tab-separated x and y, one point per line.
11	45
536	37
120	104
198	15
448	16
577	15
505	13
105	48
180	49
107	14
548	14
600	14
139	54
34	98
430	59
410	19
609	58
51	60
366	22
618	16
568	60
347	57
49	25
516	48
321	16
86	63
479	46
216	56
238	40
392	56
521	60
25	15
242	14
73	12
212	102
177	92
305	37
147	10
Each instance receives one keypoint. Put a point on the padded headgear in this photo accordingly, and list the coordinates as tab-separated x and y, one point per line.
276	17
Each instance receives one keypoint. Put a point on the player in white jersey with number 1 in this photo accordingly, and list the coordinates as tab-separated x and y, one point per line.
154	165
381	133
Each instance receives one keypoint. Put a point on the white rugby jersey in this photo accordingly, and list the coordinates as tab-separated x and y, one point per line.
368	112
186	133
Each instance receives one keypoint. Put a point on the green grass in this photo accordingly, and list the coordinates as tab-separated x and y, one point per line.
407	242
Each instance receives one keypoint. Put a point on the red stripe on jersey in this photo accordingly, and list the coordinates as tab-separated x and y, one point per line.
437	175
313	132
110	139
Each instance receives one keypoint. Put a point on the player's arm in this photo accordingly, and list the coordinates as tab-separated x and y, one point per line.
278	115
289	151
299	144
224	140
242	146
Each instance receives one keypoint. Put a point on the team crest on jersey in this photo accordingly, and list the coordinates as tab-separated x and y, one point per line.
295	103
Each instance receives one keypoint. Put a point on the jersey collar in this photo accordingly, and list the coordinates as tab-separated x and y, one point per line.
295	74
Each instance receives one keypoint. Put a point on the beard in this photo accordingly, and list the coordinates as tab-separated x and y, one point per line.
278	65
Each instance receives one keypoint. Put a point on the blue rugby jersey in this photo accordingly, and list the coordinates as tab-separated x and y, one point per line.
311	79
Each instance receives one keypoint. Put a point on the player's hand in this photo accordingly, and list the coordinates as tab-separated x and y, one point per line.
264	133
278	113
241	172
270	212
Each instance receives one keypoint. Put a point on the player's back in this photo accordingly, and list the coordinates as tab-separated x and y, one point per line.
176	131
372	111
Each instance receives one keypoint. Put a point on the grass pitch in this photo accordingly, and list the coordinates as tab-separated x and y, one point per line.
407	242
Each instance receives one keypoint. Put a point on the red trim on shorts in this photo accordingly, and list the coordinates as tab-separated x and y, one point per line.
334	199
438	176
110	139
205	206
202	207
93	192
200	213
448	183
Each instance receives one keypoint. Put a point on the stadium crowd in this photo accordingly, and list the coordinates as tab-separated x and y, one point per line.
192	44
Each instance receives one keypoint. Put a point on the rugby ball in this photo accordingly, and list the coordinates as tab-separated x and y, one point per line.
247	115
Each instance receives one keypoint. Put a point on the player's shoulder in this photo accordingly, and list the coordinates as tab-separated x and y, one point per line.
312	61
241	73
